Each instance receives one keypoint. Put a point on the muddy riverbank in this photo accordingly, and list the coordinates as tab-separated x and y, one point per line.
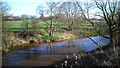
15	40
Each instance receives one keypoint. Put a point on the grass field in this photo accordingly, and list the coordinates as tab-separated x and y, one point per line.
16	26
20	25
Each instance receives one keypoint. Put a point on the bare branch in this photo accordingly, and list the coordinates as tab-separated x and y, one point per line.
91	40
91	22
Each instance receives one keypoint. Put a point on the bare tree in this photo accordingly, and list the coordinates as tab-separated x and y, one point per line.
25	21
34	23
48	10
72	13
66	8
41	10
5	8
108	13
51	6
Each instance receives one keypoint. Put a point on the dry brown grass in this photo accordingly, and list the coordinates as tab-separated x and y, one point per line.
104	57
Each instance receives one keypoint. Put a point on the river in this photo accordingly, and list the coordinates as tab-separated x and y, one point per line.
50	53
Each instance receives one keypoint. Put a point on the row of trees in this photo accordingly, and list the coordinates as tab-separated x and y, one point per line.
67	13
71	13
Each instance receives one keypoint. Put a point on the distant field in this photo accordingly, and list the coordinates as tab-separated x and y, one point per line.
20	26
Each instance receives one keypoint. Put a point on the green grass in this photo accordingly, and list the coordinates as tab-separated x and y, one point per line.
14	26
22	29
6	50
20	25
47	37
93	32
89	32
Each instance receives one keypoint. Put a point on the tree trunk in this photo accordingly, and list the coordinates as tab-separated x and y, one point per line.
119	29
27	26
69	28
51	24
116	33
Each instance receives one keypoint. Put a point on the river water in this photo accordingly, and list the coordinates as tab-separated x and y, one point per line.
49	53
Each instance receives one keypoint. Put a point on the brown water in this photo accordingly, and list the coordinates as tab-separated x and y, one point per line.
50	53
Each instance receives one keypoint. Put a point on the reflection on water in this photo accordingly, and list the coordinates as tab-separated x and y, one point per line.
68	47
45	52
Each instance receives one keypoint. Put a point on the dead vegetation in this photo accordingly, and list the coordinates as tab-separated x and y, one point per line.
94	58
